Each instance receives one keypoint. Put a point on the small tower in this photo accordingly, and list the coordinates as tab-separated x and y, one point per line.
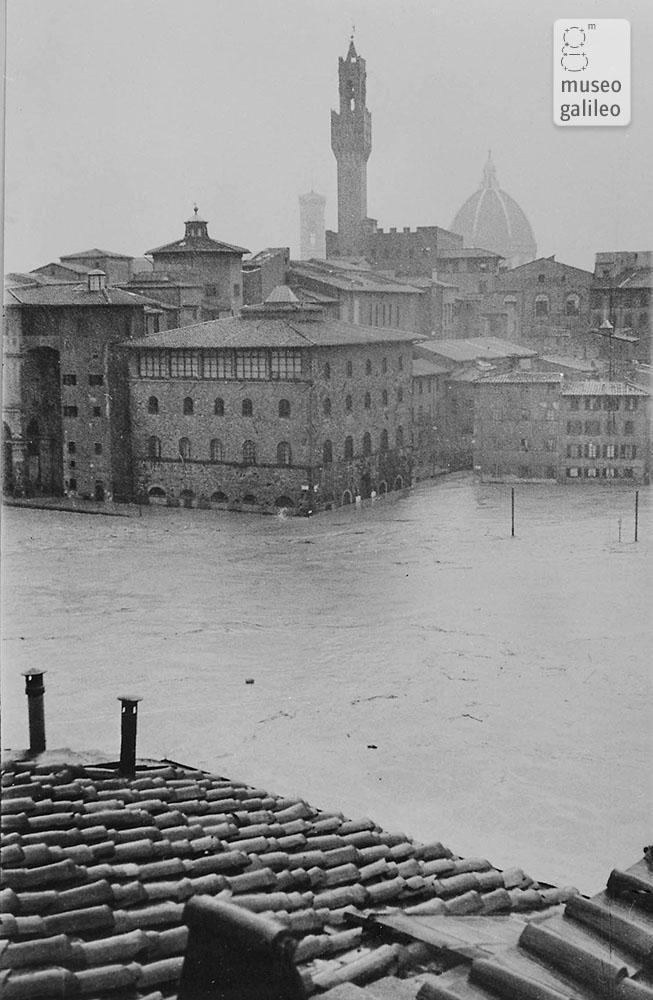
312	238
351	142
196	226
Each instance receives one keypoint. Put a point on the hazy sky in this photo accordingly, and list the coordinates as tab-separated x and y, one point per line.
121	114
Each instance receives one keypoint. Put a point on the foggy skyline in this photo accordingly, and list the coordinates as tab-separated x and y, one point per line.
120	116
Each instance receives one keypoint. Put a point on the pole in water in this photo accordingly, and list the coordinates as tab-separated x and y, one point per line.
512	512
636	511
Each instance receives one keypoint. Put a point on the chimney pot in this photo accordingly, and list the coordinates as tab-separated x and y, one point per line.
128	719
35	690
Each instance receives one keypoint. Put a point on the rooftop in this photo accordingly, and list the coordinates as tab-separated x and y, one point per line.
603	388
491	348
522	378
67	294
97	869
301	327
351	280
95	253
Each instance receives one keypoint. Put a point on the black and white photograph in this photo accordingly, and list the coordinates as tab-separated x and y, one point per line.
326	521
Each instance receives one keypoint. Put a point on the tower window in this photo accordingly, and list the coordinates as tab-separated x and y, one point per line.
284	408
153	405
218	407
247	408
249	453
184	449
283	453
188	406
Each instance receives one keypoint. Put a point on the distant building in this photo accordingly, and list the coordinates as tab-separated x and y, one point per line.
364	296
545	304
491	218
279	407
312	230
605	432
621	294
429	397
199	259
262	272
536	426
516	421
116	266
65	403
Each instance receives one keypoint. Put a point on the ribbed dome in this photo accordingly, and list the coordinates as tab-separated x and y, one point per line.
492	220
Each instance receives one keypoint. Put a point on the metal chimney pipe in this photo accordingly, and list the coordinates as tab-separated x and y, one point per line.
128	718
34	690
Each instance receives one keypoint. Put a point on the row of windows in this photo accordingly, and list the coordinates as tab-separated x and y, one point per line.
246	407
73	411
595	473
282	364
369	369
549	413
217	451
593	450
542	305
604	403
628	320
594	427
70	379
548	444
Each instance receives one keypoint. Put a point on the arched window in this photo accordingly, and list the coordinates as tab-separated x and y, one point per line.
384	397
327	453
247	409
643	319
572	305
188	406
184	448
368	400
217	450
154	447
327	370
367	444
218	407
401	362
541	306
326	407
284	408
349	404
349	448
368	367
400	395
383	444
399	437
384	365
283	453
350	369
153	405
249	453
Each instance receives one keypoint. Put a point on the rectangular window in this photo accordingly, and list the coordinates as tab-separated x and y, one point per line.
72	484
97	447
550	444
591	450
70	411
185	364
574	404
610	403
96	380
609	451
72	447
550	472
549	413
608	473
592	426
218	364
286	364
572	473
153	364
97	411
596	403
69	379
251	364
574	427
236	290
628	473
630	403
629	427
523	444
525	414
590	473
628	451
524	471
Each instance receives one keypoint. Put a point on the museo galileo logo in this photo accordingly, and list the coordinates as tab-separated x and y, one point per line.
591	71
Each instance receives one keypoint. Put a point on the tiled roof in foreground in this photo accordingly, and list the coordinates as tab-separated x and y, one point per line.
97	869
604	388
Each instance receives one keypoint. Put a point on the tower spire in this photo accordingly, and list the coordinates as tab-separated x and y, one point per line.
489	172
351	142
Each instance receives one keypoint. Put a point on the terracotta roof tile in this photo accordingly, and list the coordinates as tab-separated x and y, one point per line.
104	873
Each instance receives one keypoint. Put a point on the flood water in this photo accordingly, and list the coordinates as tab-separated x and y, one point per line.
407	660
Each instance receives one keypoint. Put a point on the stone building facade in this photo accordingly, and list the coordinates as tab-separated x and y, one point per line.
201	260
545	304
65	402
277	408
312	230
621	293
535	426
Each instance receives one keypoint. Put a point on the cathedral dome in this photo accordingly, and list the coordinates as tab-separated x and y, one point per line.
492	220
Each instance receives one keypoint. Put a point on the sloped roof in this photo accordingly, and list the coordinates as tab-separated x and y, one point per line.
75	269
272	332
352	281
97	868
602	388
95	253
202	244
522	378
67	294
491	348
462	252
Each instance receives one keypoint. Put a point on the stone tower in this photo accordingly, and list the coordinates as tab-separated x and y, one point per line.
351	142
312	238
